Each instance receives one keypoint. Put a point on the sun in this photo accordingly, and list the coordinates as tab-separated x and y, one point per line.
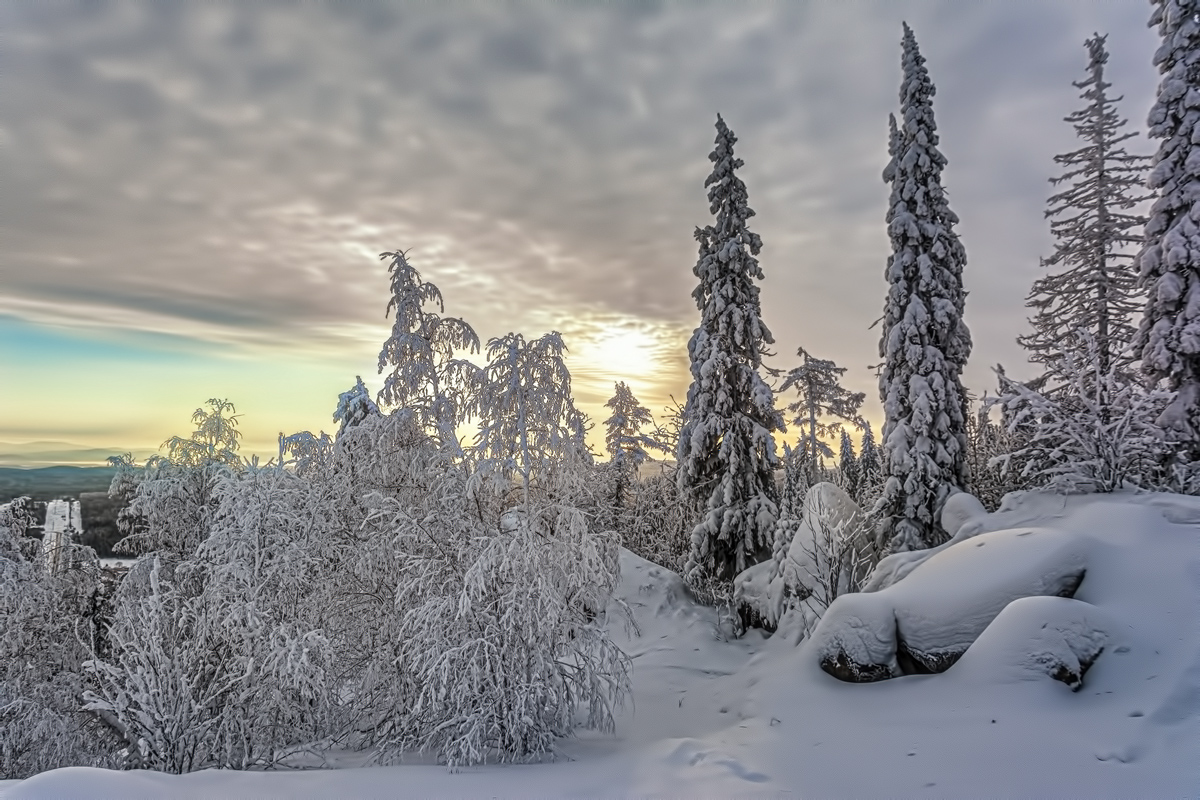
622	352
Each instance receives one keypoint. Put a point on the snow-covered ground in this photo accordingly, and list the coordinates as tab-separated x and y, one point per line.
714	717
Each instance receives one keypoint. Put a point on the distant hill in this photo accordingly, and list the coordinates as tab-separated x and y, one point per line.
32	455
50	483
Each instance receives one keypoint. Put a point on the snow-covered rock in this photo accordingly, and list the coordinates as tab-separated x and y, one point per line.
757	606
962	513
831	552
926	622
963	516
1039	637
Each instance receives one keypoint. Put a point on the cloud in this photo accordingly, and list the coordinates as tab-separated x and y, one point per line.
228	172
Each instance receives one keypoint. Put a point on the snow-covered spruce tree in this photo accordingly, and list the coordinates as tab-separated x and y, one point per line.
623	430
354	406
795	484
625	441
925	342
820	396
848	466
870	466
1168	337
424	374
726	452
1094	286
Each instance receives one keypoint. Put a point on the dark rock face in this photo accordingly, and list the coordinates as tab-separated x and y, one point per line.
1072	676
842	667
750	617
916	662
1071	584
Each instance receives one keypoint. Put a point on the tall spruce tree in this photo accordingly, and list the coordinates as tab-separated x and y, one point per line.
821	396
848	466
1168	337
726	452
870	466
925	343
1094	288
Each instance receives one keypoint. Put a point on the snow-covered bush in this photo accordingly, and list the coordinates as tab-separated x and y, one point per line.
833	550
1098	438
527	418
47	623
170	501
220	659
987	442
827	550
499	630
657	520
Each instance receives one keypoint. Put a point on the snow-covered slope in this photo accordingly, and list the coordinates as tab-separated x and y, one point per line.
714	717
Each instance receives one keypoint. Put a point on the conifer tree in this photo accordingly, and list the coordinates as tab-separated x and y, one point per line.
925	343
816	381
623	430
624	439
1094	287
726	452
354	406
1168	338
870	468
848	465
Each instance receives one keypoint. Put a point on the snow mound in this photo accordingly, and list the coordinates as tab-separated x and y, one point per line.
960	511
925	623
1036	637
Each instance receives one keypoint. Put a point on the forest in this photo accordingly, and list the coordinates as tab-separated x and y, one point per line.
454	575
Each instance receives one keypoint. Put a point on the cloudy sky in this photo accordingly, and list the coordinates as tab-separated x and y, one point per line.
193	195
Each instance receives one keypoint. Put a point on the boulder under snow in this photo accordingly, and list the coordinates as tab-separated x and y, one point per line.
926	622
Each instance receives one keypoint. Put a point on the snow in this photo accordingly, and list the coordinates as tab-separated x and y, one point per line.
714	716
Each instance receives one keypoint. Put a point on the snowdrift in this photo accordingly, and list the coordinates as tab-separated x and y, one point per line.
1015	713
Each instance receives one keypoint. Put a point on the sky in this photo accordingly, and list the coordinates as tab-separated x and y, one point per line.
194	195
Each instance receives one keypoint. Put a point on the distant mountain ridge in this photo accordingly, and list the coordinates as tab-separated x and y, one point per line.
50	483
33	455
